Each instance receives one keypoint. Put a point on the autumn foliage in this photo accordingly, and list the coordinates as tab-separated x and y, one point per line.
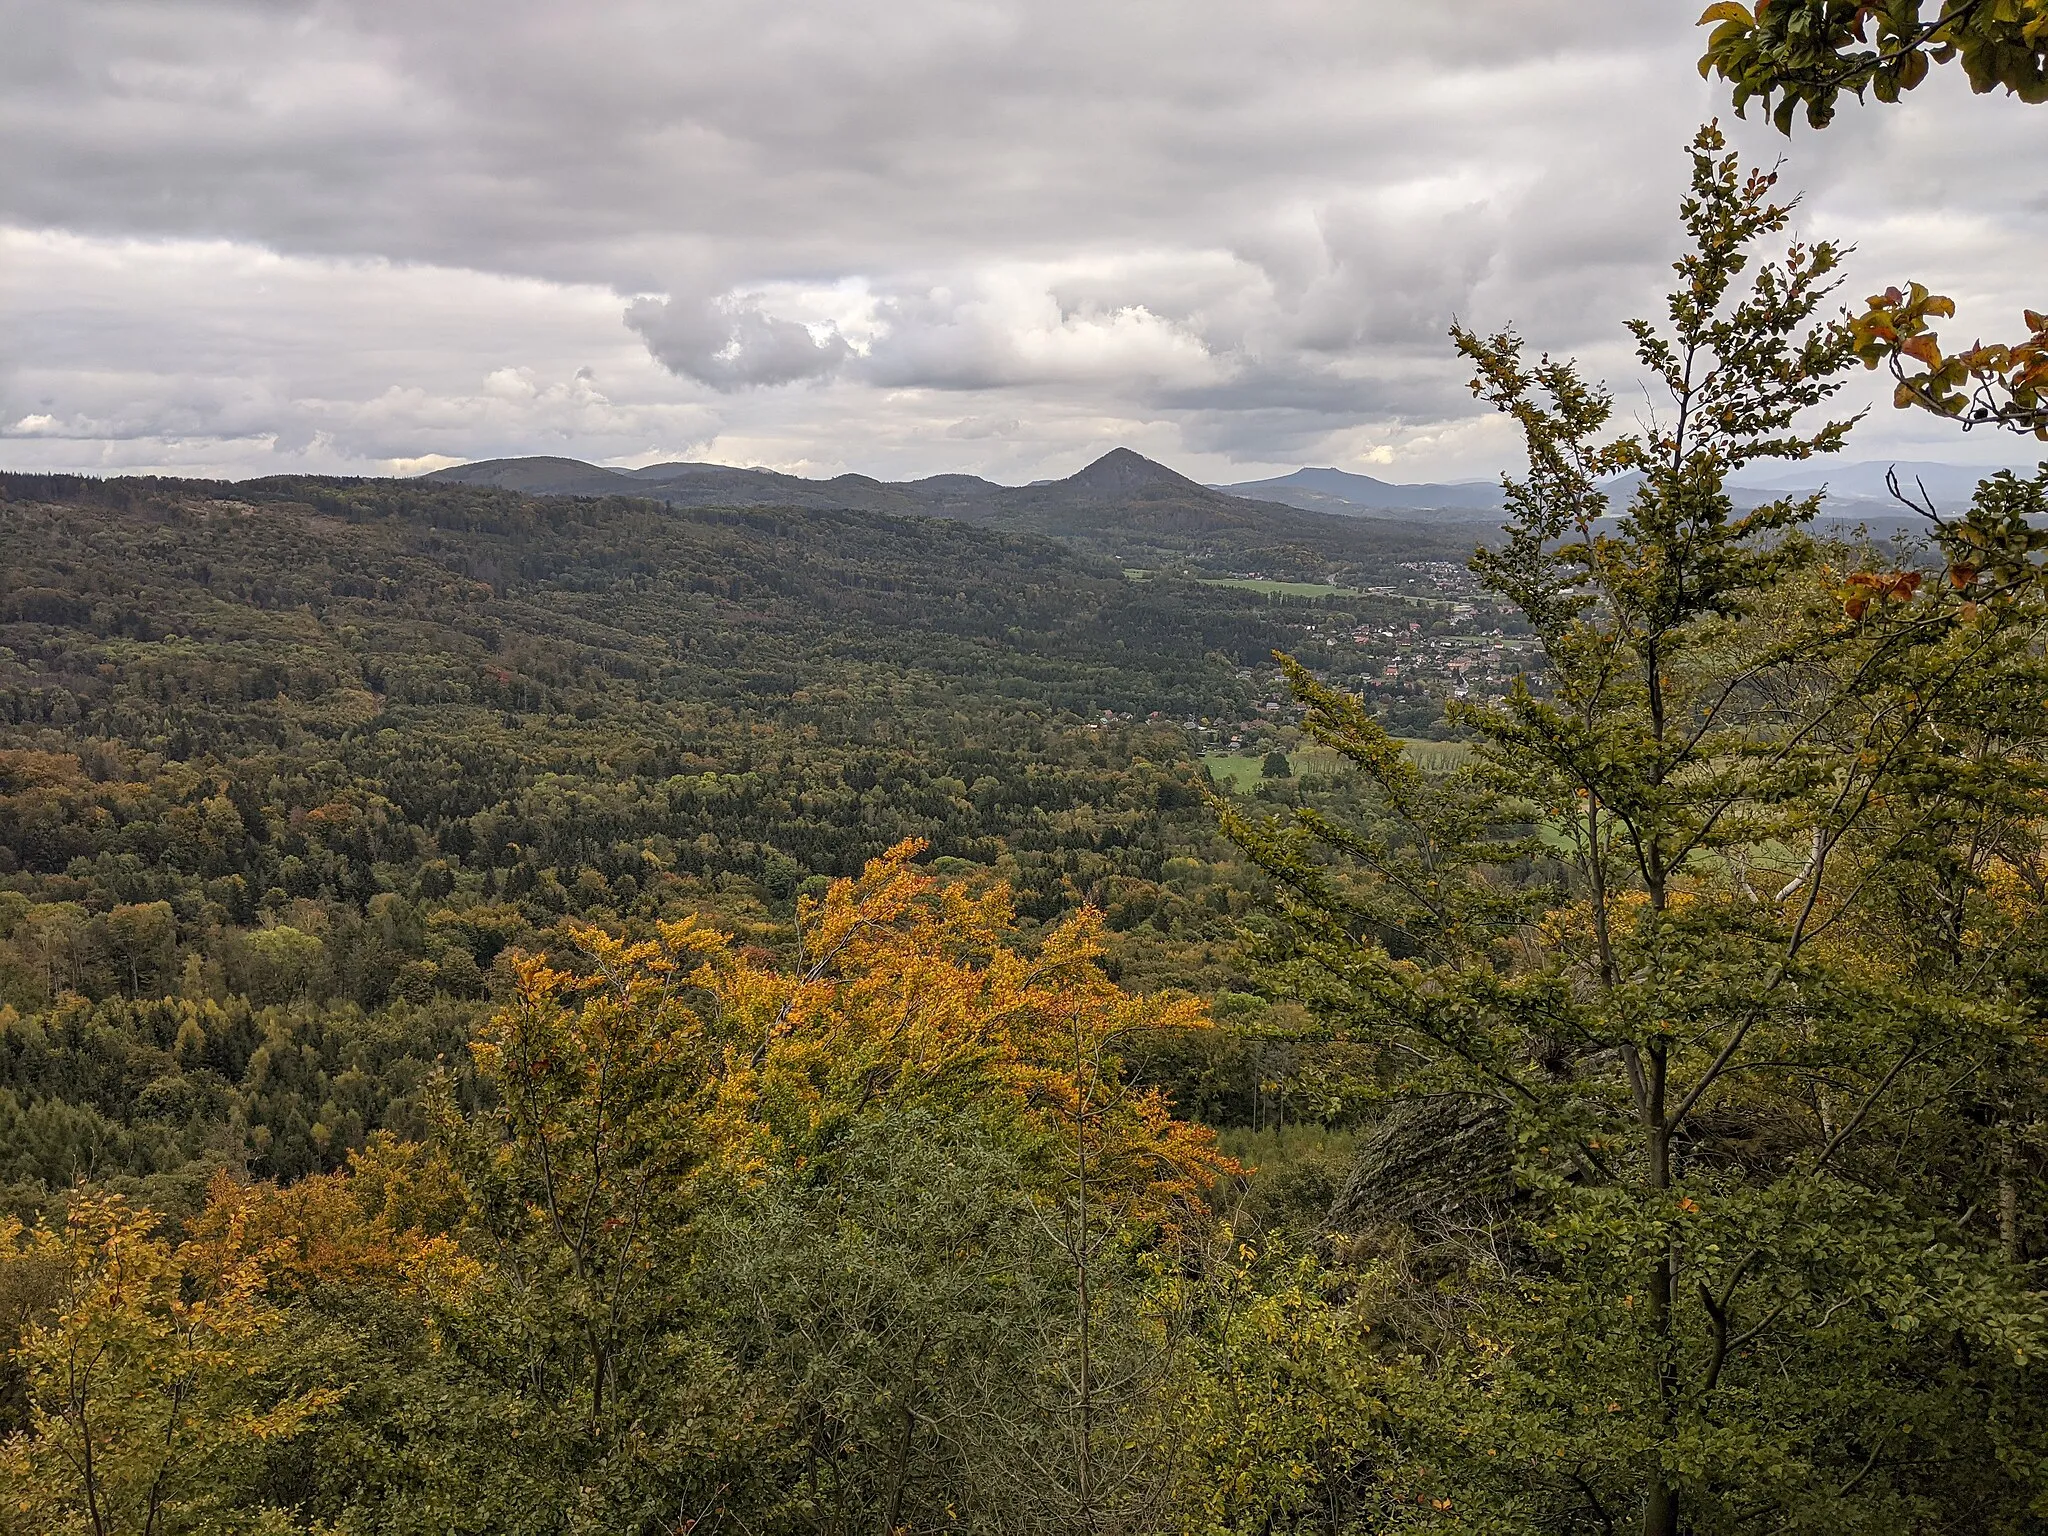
1794	55
635	1084
699	1055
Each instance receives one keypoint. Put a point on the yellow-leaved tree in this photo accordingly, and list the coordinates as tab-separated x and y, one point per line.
146	1367
875	1234
643	1082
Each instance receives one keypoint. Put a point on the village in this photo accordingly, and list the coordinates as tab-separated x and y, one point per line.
1431	635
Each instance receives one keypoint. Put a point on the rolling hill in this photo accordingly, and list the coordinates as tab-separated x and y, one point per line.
1344	494
1856	490
1122	507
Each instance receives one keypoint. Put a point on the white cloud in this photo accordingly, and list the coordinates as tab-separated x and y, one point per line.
995	235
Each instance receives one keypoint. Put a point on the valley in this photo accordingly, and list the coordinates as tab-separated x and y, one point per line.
405	725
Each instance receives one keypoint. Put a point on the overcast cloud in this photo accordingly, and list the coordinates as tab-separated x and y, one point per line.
893	236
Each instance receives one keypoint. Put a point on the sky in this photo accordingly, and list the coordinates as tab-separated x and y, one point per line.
897	237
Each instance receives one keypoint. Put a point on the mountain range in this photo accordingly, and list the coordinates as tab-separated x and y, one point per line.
1331	491
1856	489
1313	524
1347	495
1123	507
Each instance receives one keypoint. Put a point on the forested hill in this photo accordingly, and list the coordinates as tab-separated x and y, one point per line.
532	603
1122	507
194	621
324	748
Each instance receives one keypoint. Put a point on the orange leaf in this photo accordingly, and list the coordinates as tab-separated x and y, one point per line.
1924	348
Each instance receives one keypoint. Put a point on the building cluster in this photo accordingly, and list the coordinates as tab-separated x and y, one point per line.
1430	635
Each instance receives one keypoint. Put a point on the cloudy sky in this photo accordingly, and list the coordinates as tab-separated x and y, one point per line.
891	236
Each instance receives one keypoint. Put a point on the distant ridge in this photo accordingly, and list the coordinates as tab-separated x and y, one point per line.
1119	472
1122	505
1855	489
1344	494
539	476
680	484
1107	503
1951	485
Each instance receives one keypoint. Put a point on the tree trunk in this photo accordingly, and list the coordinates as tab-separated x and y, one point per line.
899	1474
2010	1240
1660	1499
1660	1509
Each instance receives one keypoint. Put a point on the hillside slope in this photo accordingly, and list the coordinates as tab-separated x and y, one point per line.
299	758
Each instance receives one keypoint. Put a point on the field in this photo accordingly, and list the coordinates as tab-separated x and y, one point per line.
1436	756
1235	770
1243	770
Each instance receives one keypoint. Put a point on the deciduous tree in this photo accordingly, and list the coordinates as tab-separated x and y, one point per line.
151	1380
1719	1292
1794	55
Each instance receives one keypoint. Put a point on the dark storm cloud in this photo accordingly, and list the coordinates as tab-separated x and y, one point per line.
825	235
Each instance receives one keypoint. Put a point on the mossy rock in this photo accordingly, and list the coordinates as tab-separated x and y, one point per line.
1434	1164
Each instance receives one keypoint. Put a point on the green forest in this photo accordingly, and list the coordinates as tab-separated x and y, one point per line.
546	1013
329	750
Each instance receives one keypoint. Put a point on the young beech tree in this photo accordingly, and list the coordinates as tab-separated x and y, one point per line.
676	1113
151	1376
1742	1282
